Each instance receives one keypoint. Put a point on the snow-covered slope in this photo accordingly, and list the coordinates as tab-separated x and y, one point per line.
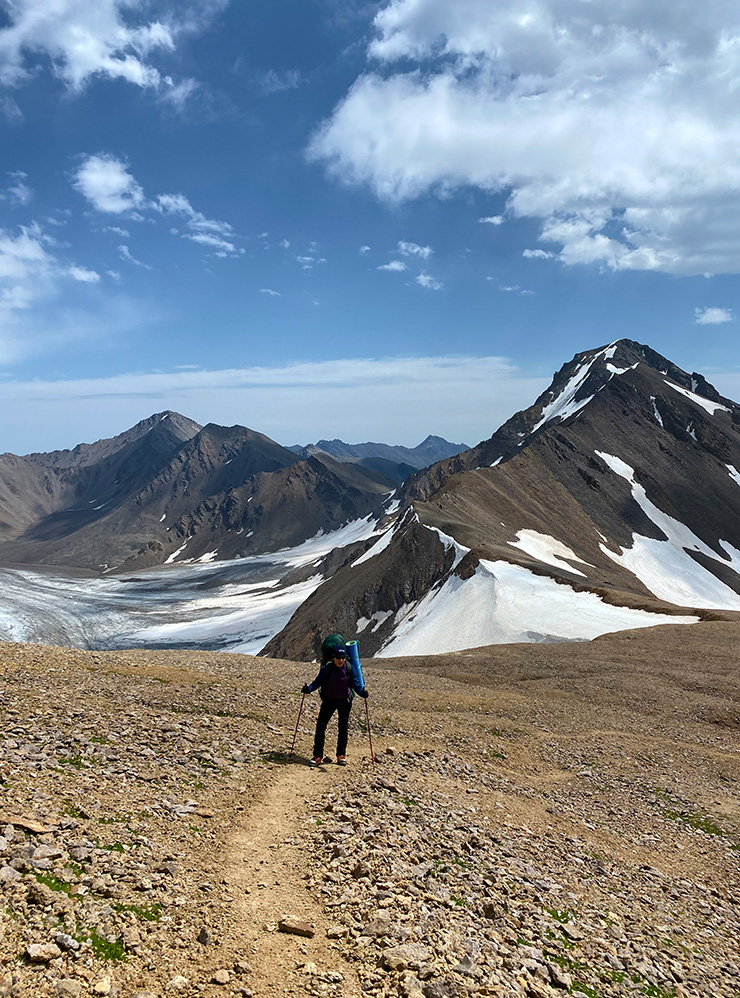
611	503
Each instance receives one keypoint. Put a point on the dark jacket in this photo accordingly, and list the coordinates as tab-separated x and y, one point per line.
320	682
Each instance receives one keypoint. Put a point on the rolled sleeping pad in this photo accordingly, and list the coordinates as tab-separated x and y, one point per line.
353	653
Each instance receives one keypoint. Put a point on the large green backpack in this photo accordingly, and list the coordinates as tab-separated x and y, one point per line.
330	642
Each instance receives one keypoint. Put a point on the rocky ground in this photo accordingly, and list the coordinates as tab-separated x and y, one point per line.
540	820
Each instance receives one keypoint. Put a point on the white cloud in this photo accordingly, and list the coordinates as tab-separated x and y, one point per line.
18	191
512	288
274	82
492	220
413	249
108	186
40	310
83	275
308	262
126	254
269	291
712	316
104	38
537	254
614	124
285	243
461	398
394	265
364	249
428	282
82	40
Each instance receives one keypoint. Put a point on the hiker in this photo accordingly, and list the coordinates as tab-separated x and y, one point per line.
337	684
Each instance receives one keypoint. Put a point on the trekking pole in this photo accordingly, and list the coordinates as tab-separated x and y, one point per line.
296	725
367	716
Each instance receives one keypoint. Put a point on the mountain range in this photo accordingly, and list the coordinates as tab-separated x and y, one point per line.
610	503
396	463
613	501
170	490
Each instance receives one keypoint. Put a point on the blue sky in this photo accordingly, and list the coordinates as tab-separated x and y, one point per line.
366	220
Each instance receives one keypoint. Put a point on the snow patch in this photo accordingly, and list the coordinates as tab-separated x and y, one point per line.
378	546
497	461
547	550
665	567
734	473
163	517
376	620
450	542
706	404
691	431
504	603
175	553
658	417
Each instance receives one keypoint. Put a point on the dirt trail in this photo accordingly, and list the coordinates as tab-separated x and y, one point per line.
265	869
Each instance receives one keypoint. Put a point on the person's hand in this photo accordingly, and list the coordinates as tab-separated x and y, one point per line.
363	693
305	689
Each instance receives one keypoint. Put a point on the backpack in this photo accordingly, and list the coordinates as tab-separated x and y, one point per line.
330	642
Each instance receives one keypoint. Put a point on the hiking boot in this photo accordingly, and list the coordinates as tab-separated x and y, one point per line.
316	761
341	760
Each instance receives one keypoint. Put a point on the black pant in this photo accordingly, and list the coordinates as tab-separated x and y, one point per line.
342	707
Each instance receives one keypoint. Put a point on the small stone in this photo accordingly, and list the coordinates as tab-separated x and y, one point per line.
296	927
43	952
103	986
67	988
337	932
242	968
409	956
204	937
9	876
558	977
310	968
178	983
66	942
360	870
221	977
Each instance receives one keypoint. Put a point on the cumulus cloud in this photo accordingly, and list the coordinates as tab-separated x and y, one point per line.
107	184
269	291
413	249
429	282
110	188
462	398
364	249
492	220
615	125
108	38
394	265
711	315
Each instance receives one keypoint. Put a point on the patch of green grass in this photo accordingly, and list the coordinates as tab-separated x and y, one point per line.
577	986
459	902
113	819
562	915
194	828
149	913
75	868
69	810
97	740
496	755
105	949
52	882
158	679
114	847
653	991
699	820
408	801
75	761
